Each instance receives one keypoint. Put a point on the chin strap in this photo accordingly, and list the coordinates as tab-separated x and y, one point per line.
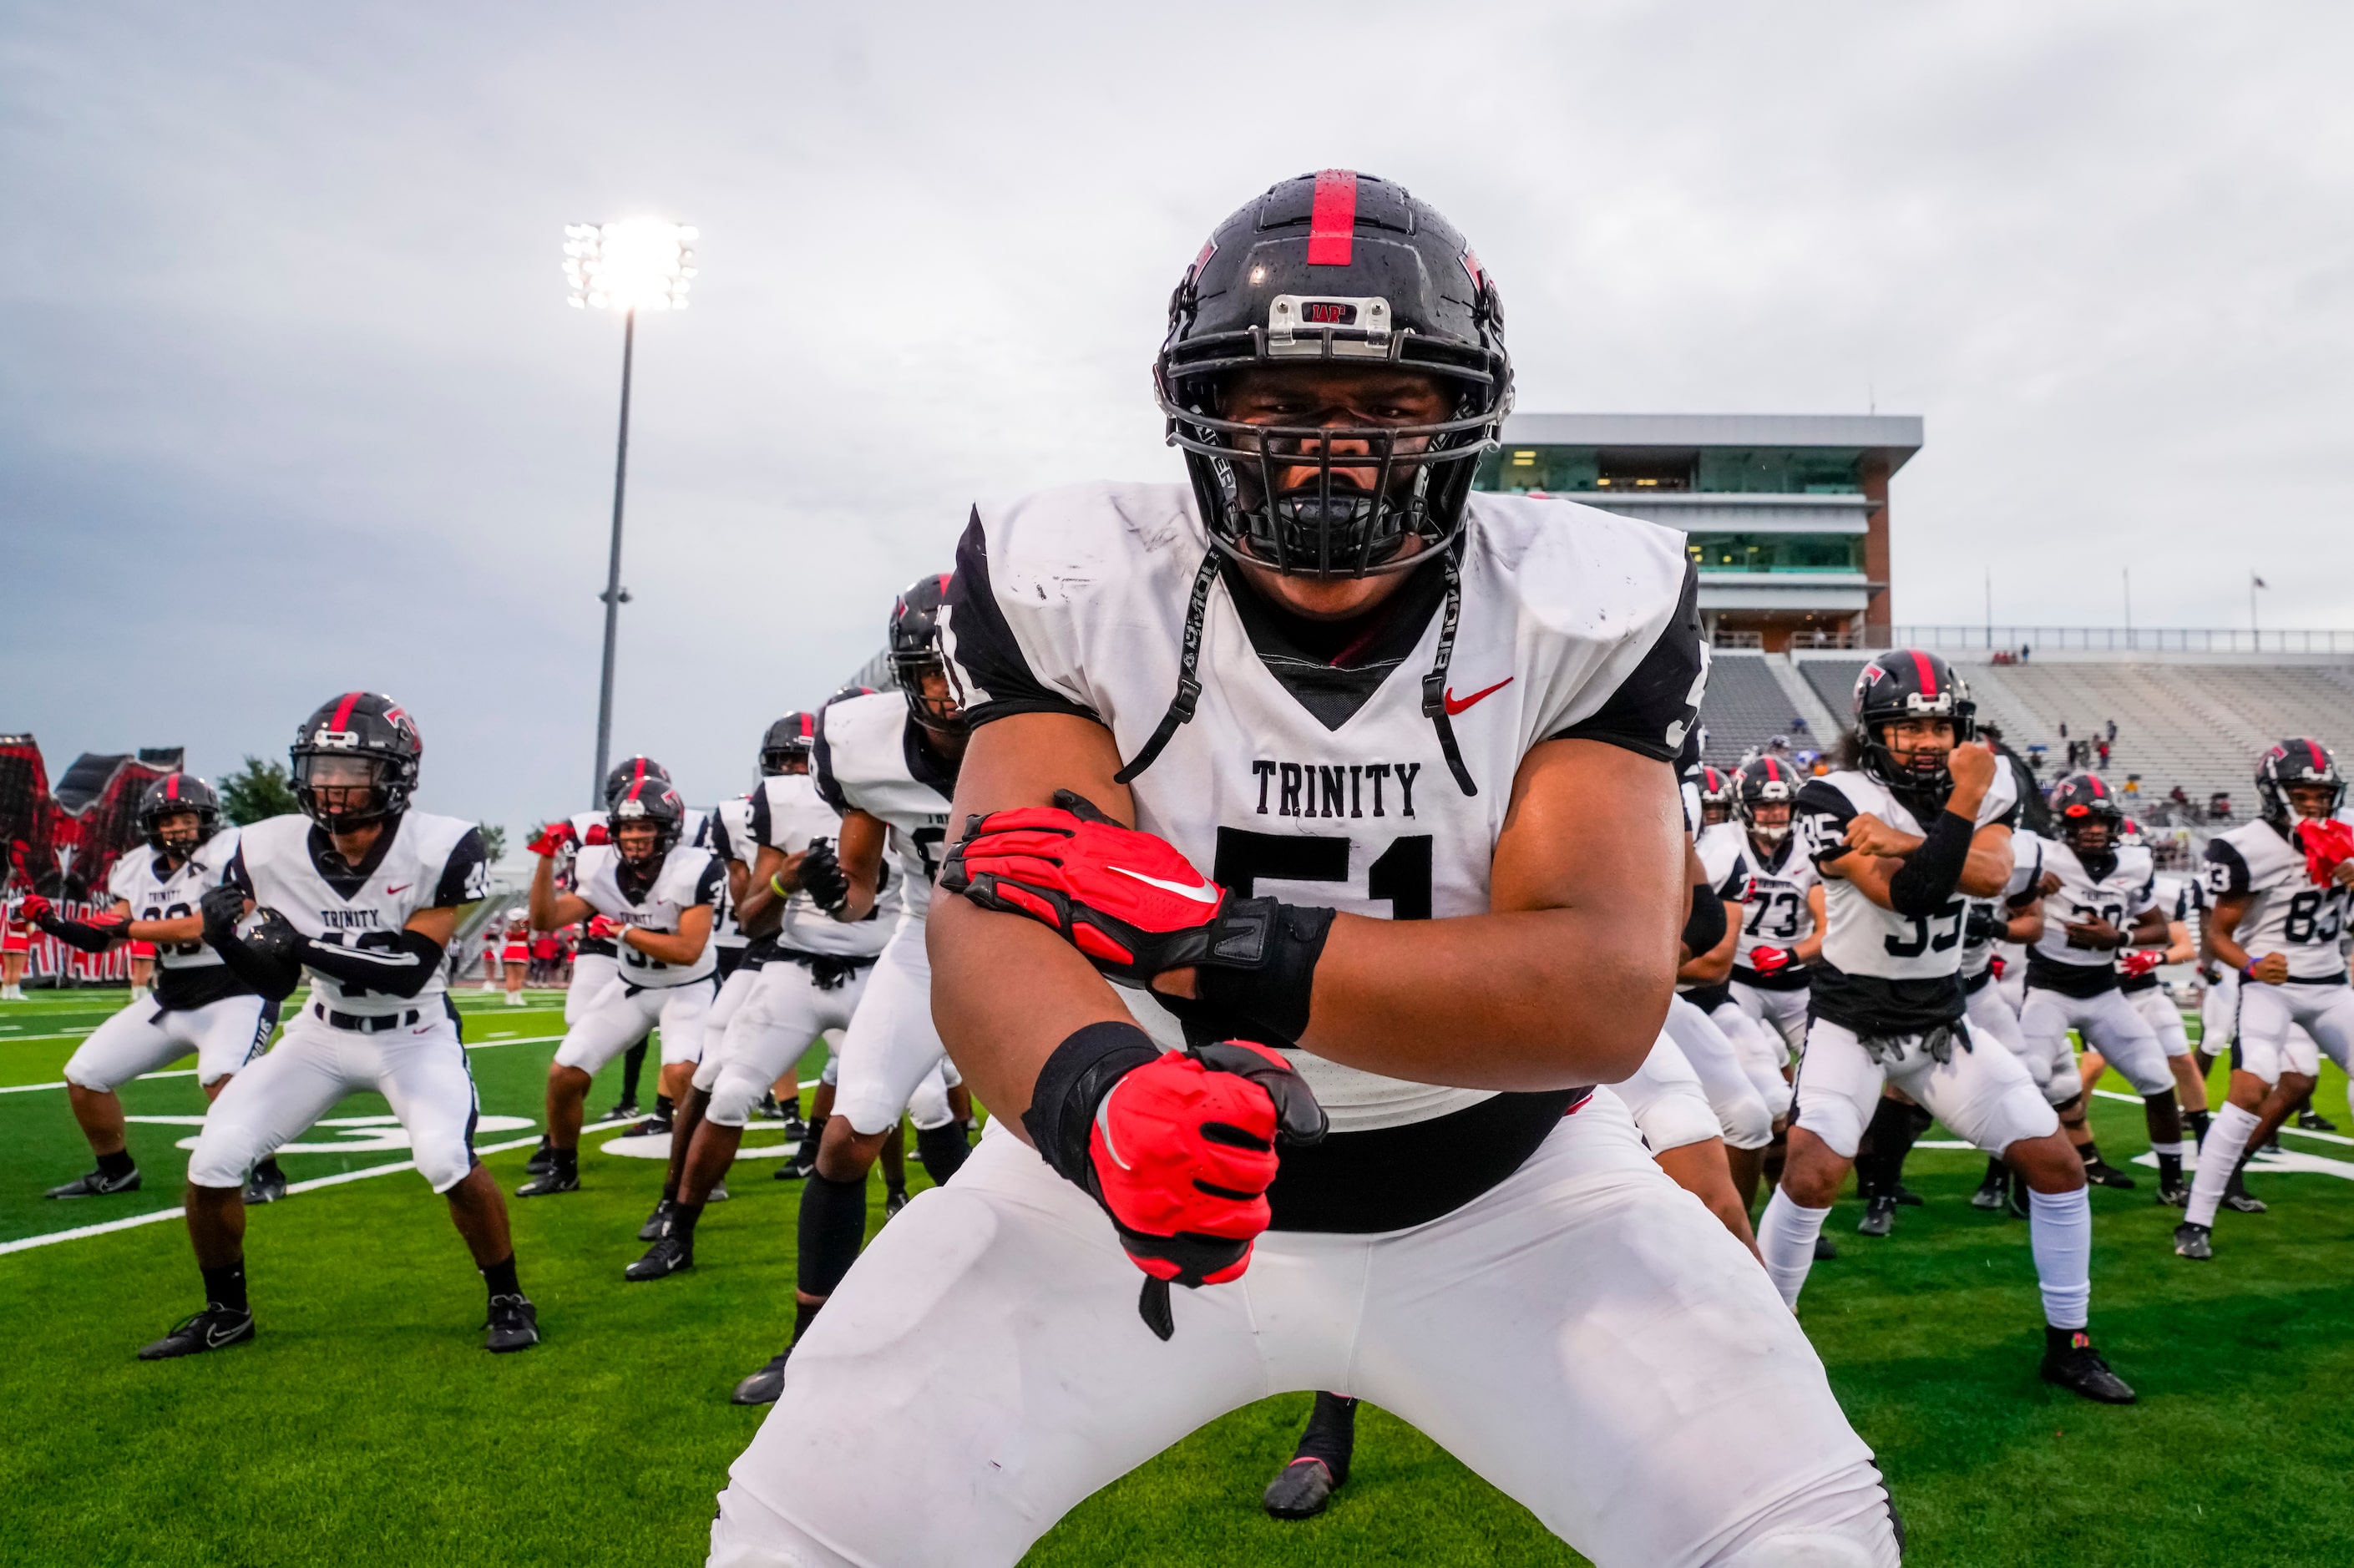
1189	685
1434	685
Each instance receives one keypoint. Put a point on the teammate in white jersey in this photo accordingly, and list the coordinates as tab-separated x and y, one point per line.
1370	671
811	976
2280	890
662	889
2105	902
1914	822
1781	898
2137	981
888	764
197	1002
363	894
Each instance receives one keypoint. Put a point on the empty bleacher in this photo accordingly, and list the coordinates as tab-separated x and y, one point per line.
1745	706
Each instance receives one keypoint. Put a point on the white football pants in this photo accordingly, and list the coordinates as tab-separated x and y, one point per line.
2052	1067
1740	1110
2108	1023
2164	1019
621	1016
891	1048
784	1013
1664	1097
591	973
1611	1371
1760	1050
2270	1016
1984	1094
1782	1012
225	1036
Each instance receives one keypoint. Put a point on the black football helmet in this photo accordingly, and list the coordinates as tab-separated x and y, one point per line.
631	770
2084	800
786	748
1906	684
1335	267
366	725
915	653
178	794
2298	761
1767	780
649	799
1715	795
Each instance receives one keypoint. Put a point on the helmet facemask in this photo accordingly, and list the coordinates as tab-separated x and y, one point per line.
931	692
341	793
177	833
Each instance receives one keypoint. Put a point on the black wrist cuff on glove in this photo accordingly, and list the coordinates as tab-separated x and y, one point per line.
1930	874
1261	966
1073	1081
80	934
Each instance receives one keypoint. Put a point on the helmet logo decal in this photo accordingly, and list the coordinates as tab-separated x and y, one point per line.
1332	221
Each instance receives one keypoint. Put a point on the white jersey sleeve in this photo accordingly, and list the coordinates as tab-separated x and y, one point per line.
868	756
788	814
2286	913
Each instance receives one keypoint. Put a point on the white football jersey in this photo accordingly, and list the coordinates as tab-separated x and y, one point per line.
1883	972
2115	890
2289	914
1771	889
2026	871
729	833
786	814
421	862
688	877
867	757
1574	622
144	879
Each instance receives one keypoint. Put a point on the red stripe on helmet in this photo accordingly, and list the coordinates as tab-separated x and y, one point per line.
172	788
344	710
944	583
2099	788
1773	770
1928	676
809	726
1332	221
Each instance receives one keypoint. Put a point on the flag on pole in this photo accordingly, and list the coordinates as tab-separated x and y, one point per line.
2255	581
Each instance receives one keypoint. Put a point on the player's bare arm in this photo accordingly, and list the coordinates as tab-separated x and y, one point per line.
682	946
1810	947
859	849
2222	939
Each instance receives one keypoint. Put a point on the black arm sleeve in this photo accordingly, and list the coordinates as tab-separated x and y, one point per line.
400	968
1654	709
79	934
1930	874
1704	926
986	649
265	975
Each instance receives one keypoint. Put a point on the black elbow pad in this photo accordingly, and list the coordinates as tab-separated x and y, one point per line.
1704	926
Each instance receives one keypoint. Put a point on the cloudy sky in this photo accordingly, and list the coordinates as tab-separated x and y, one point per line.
291	399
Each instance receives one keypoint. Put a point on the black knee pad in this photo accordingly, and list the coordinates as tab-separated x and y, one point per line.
942	1150
833	1228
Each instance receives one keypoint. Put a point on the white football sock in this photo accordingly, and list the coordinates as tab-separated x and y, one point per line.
2227	1140
1786	1240
2060	1231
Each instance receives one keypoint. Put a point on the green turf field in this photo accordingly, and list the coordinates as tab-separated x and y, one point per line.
365	1425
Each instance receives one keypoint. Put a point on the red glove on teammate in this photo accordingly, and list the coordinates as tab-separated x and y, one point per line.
555	837
2326	843
1137	908
598	834
603	926
2141	960
35	910
1769	960
1179	1147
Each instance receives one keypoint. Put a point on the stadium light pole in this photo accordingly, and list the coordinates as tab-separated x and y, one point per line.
640	263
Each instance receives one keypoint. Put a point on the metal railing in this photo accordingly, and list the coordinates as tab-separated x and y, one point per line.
2128	639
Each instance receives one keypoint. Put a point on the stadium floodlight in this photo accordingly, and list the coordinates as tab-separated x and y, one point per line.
638	263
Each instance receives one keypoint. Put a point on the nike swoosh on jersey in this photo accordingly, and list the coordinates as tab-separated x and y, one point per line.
1457	704
402	888
1206	894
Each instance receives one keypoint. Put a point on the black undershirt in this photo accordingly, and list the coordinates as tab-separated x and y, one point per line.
1333	667
1361	1183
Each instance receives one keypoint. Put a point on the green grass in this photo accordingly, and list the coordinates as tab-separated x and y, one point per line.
367	1425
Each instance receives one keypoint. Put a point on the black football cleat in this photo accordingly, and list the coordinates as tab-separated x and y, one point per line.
668	1256
1989	1196
795	1128
763	1386
214	1328
656	1222
265	1185
513	1325
626	1111
1826	1249
2313	1121
894	1200
718	1193
650	1126
768	1109
2272	1144
1907	1196
2101	1173
1878	1217
97	1184
543	1159
547	1181
2175	1194
2079	1368
2194	1242
1301	1489
2238	1199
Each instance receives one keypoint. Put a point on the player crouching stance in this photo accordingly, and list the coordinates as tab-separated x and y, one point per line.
662	889
1918	816
363	895
199	1003
2279	887
1522	1284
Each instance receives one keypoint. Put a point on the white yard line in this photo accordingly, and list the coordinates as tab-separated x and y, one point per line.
158	1216
2337	1137
191	1072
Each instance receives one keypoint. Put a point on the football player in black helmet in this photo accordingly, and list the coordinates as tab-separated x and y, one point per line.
628	771
786	746
916	661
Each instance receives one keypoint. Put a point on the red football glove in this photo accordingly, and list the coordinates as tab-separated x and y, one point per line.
603	926
35	910
555	837
2326	843
1179	1149
2141	960
1994	966
1769	960
598	834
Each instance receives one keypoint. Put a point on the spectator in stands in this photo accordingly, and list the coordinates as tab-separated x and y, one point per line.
2218	807
2176	797
2102	746
2113	732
